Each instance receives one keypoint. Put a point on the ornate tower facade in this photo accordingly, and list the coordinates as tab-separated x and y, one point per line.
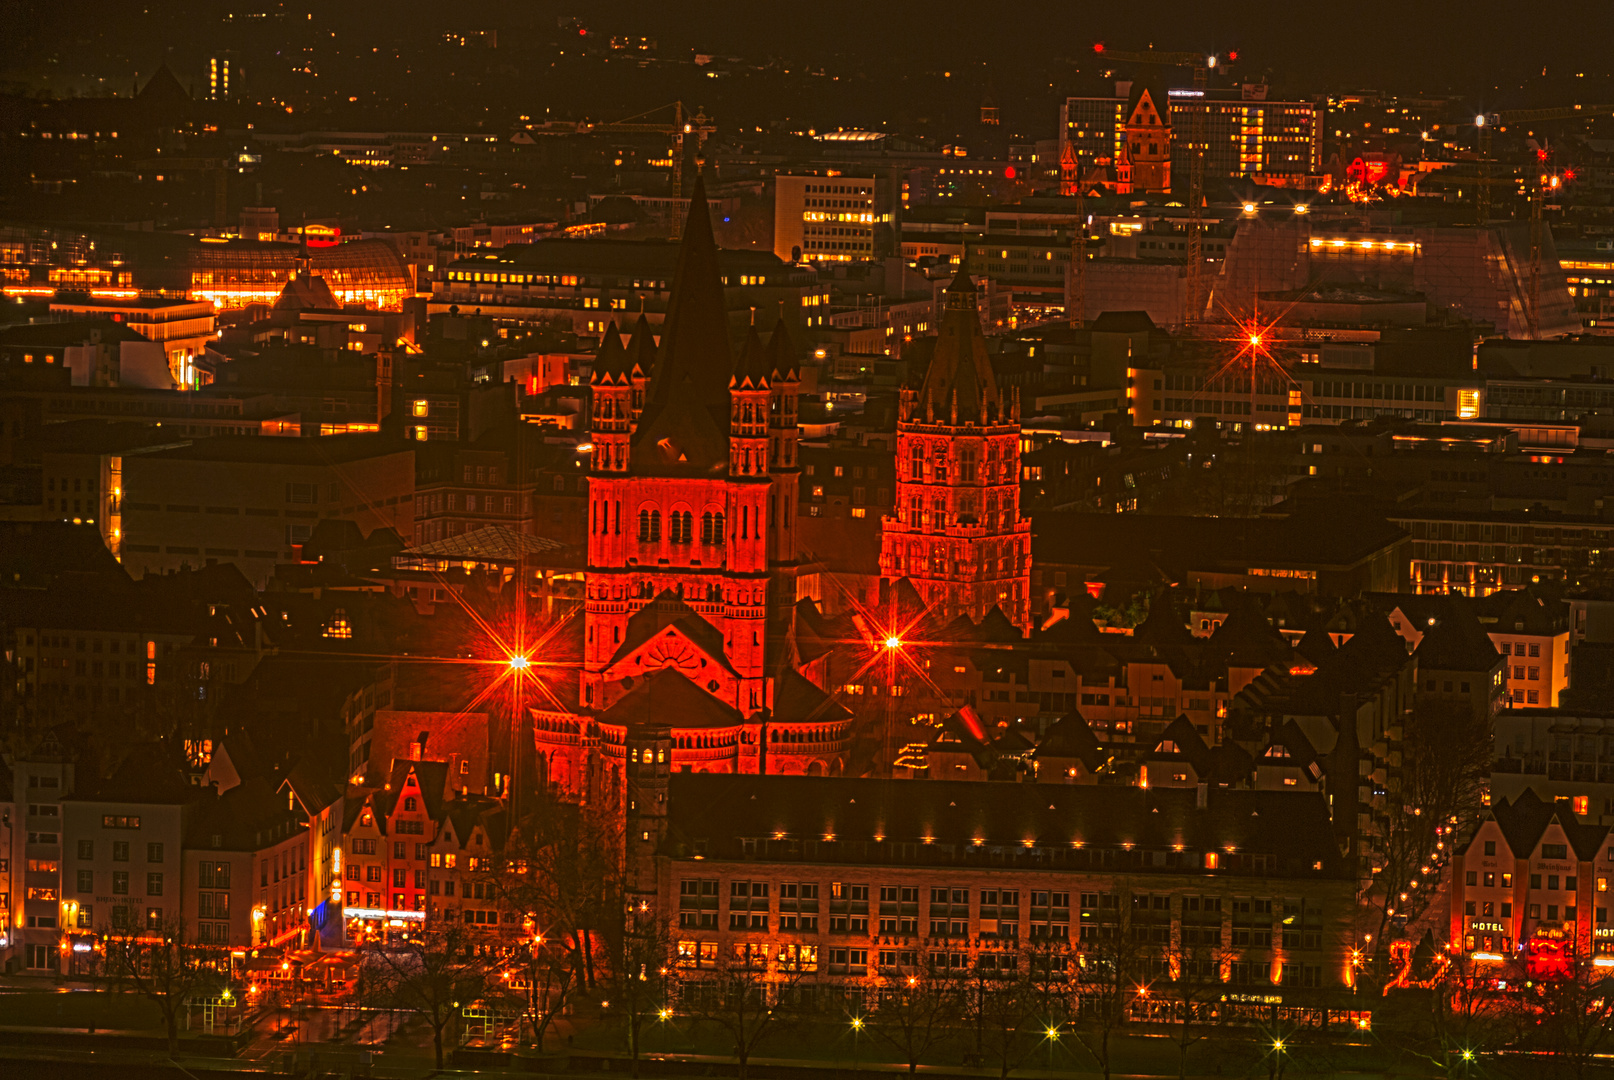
692	497
956	533
1148	145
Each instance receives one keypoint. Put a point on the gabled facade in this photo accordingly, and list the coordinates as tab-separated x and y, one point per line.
1533	886
956	532
1148	145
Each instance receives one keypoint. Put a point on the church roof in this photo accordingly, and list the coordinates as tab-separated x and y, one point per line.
751	372
491	543
307	292
782	363
163	91
797	699
960	374
642	348
669	699
669	610
611	362
683	430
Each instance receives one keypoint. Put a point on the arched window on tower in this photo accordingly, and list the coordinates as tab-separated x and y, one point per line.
681	527
649	526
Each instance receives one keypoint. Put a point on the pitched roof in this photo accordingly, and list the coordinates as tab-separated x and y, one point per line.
798	699
1457	642
960	373
1525	819
491	543
1249	640
1072	737
307	292
667	611
939	821
669	699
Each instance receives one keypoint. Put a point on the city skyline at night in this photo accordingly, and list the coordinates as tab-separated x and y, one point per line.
938	538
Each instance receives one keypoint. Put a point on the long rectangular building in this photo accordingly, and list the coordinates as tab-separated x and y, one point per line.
853	882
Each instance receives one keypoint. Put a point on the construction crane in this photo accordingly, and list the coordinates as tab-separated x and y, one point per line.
1070	174
679	128
1543	181
1489	122
1201	65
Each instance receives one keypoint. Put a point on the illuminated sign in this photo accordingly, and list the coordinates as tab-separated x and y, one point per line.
1373	172
322	235
1492	927
1185	93
382	913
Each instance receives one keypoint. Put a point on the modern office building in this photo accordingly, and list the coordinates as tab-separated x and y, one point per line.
835	216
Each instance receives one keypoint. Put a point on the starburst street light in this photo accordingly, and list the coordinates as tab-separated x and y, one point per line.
893	642
518	663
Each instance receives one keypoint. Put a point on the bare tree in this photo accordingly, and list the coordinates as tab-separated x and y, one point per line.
1001	1006
1109	967
433	974
1445	762
562	869
164	965
738	998
641	981
1570	1018
914	1014
542	982
1192	992
1466	1018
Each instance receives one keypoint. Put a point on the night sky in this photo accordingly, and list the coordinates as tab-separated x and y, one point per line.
1478	47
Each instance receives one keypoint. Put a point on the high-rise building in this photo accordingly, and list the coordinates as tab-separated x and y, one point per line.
219	71
838	218
1247	135
1140	143
957	534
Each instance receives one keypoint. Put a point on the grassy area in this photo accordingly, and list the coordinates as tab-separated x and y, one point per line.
79	1009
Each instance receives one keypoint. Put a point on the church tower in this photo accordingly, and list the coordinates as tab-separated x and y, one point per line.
956	533
1148	145
692	497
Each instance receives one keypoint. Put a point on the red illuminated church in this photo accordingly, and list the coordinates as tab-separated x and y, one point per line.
956	533
692	556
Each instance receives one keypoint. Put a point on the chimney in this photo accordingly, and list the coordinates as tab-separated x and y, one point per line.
1201	795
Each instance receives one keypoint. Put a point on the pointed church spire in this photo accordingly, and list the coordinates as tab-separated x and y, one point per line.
694	336
611	362
641	351
782	362
960	379
752	369
684	424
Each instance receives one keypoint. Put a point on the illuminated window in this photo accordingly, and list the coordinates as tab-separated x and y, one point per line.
339	626
420	408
